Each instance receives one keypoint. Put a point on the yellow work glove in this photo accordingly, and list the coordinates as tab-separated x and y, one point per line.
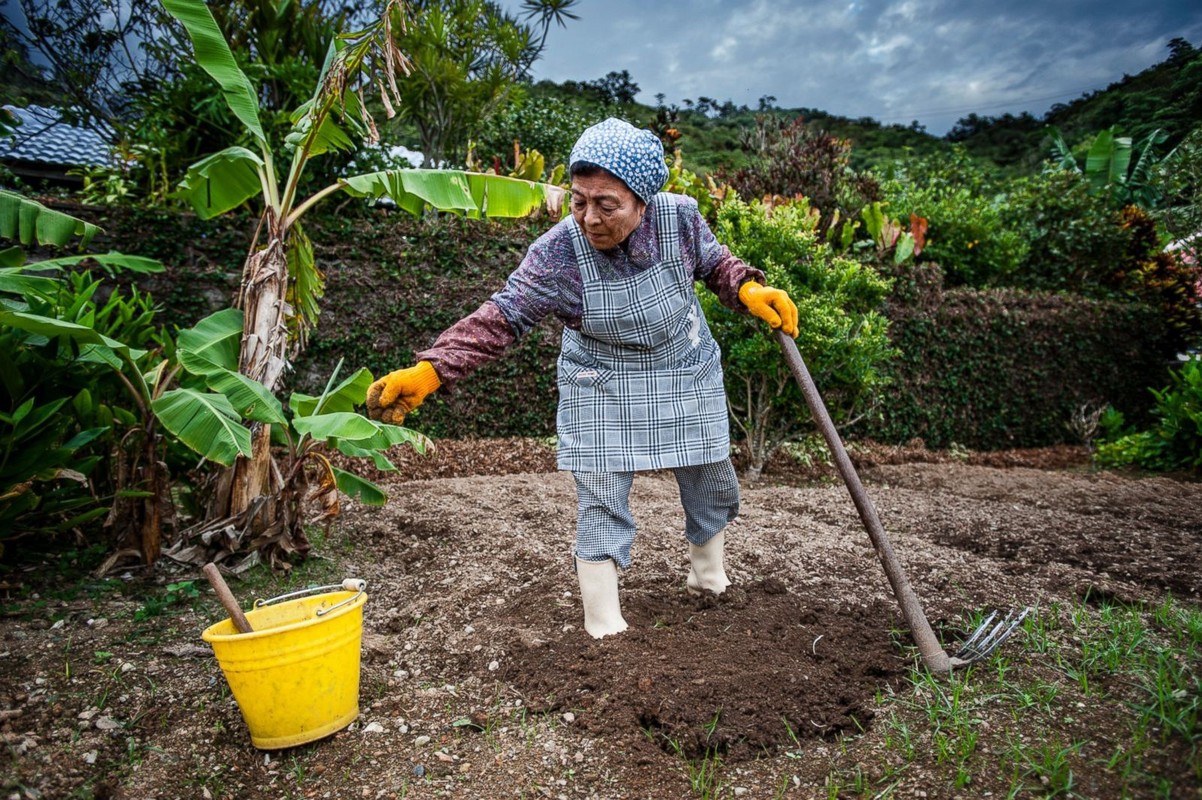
771	305
397	393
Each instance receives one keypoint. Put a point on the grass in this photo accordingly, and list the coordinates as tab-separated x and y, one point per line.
1039	717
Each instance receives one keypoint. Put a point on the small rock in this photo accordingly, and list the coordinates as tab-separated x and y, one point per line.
106	724
373	727
444	757
569	717
493	666
421	741
90	756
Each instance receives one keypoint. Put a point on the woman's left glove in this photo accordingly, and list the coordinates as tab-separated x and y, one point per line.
771	305
397	393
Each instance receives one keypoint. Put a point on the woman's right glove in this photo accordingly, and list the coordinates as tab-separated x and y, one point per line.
397	393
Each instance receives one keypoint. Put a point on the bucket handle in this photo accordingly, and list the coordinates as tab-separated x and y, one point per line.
357	585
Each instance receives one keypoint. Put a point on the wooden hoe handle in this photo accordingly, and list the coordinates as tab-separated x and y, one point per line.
227	598
932	653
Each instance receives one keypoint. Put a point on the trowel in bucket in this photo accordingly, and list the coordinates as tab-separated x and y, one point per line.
988	636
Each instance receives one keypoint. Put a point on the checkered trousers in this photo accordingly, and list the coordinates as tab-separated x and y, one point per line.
605	527
640	384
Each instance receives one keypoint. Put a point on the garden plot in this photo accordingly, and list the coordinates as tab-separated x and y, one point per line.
801	681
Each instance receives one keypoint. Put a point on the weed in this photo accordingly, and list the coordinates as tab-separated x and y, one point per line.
180	593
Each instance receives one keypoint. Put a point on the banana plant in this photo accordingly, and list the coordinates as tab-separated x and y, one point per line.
196	395
1108	165
282	284
208	412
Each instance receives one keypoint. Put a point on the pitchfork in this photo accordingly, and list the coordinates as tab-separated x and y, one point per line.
988	636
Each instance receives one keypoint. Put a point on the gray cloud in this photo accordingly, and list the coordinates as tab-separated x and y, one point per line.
928	60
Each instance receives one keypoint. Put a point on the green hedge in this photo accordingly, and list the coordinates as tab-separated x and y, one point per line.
984	369
1001	368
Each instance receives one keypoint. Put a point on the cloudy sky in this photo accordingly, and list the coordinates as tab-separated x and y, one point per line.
934	61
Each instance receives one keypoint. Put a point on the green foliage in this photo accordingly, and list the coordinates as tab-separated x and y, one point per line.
842	336
1072	236
548	124
793	159
1161	279
1001	368
1174	442
1109	170
64	411
1178	177
177	594
968	233
466	58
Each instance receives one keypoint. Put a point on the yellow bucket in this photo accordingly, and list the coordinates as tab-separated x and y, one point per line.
296	675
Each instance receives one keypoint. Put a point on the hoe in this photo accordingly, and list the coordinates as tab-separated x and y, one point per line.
988	636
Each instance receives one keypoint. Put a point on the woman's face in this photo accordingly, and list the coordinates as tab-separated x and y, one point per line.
605	208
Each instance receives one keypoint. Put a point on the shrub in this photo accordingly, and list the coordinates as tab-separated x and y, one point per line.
968	233
1175	440
549	125
1001	368
842	337
791	158
66	413
1072	237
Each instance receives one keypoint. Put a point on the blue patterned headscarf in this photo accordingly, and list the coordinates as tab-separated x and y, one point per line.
635	155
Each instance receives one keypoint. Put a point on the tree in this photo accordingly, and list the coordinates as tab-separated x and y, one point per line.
547	11
789	158
467	56
281	285
92	51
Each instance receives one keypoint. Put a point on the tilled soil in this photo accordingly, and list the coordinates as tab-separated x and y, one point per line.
477	679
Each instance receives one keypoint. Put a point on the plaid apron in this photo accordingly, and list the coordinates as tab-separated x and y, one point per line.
640	384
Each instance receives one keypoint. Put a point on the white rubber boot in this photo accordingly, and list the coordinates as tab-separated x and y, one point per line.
599	591
707	573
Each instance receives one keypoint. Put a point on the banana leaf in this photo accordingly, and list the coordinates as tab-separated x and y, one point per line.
111	262
414	189
205	422
249	398
355	451
308	283
29	222
221	182
14	281
344	397
502	196
214	57
52	328
339	425
352	485
212	344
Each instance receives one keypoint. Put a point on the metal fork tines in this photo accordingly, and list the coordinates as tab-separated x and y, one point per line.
989	636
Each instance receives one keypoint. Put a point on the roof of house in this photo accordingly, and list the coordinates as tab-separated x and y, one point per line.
42	139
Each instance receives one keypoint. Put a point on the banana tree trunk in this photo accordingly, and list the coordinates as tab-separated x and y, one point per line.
264	355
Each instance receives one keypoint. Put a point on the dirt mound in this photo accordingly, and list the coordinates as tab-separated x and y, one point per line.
747	674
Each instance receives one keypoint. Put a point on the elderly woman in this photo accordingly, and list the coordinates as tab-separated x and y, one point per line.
640	378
